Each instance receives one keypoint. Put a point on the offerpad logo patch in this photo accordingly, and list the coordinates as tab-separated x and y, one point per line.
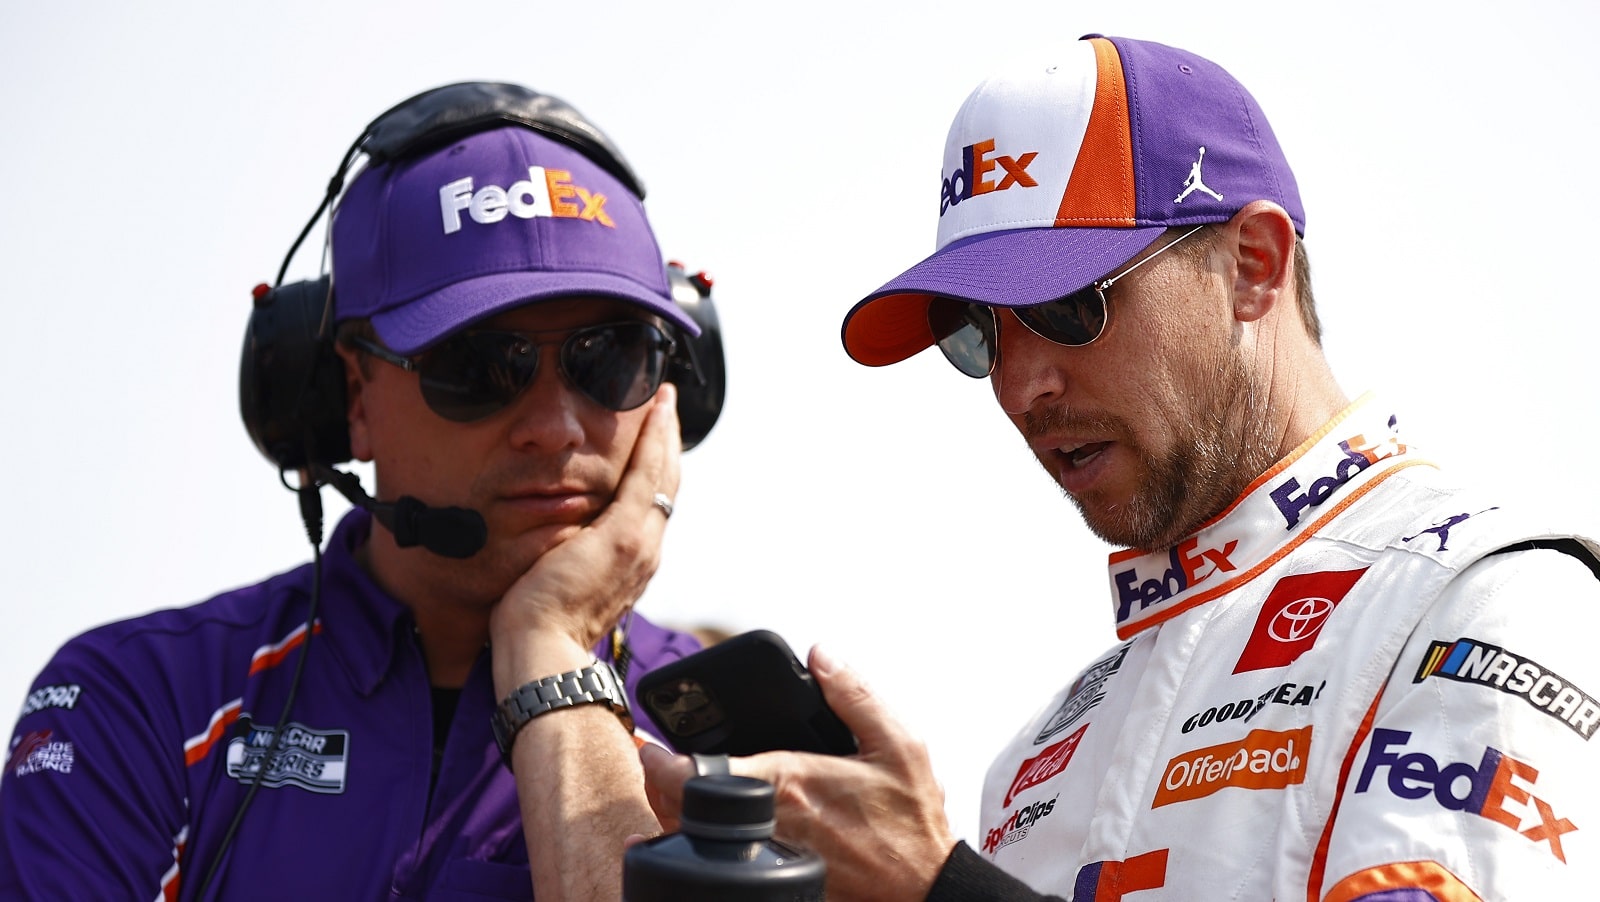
1264	759
1292	617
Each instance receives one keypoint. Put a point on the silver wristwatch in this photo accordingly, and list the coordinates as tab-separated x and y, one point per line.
596	683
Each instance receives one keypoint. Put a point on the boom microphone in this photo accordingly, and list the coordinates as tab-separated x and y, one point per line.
454	532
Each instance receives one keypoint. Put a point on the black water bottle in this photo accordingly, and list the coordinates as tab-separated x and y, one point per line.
723	851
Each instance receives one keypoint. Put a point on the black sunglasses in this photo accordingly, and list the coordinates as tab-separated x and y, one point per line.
969	333
474	374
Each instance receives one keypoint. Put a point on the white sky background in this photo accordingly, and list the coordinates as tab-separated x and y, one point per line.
159	158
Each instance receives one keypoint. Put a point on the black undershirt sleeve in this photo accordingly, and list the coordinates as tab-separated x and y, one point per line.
967	877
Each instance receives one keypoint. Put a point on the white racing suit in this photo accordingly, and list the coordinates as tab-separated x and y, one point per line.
1343	688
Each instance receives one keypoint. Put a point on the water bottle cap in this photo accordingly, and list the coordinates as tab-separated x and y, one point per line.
723	806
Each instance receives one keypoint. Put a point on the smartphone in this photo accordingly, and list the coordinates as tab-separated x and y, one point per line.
744	695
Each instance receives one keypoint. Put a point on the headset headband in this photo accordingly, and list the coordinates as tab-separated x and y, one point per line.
438	115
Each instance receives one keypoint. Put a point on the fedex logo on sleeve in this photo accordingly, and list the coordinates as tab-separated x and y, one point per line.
545	192
1485	789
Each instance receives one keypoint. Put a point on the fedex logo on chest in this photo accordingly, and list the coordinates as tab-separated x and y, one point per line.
545	192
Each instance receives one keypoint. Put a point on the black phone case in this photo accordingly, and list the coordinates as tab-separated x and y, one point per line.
744	695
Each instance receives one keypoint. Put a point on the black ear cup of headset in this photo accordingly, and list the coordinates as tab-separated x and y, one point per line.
698	367
291	381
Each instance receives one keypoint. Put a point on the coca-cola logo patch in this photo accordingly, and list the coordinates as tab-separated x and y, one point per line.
1041	767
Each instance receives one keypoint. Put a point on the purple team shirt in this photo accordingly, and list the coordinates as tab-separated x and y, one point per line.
124	768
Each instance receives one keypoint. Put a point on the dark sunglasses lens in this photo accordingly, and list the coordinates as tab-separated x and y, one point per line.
1076	319
619	366
474	375
965	333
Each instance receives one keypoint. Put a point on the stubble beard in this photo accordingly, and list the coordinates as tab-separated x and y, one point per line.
1221	444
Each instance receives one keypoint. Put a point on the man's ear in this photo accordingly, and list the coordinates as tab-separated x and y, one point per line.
355	407
1263	244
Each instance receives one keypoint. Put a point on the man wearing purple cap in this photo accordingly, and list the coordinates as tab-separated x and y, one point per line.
1339	676
443	721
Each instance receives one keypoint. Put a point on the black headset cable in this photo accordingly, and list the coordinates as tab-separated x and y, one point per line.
310	492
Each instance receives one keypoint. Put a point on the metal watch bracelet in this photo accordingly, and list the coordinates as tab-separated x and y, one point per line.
594	684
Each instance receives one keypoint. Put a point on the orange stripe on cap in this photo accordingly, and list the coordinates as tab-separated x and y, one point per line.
1100	191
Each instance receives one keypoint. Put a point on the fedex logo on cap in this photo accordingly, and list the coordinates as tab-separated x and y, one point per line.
545	192
977	164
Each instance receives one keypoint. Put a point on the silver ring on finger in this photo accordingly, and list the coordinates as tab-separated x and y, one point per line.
663	504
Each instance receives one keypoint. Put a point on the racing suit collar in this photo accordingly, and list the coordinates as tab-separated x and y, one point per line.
1275	513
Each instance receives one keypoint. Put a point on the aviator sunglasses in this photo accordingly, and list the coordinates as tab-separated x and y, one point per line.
474	374
969	333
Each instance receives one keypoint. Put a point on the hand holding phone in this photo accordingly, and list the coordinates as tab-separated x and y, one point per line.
742	696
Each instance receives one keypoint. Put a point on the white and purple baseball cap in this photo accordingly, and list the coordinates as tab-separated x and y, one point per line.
427	245
1057	174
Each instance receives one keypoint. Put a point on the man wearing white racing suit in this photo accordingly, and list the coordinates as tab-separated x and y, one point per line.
1340	677
1336	688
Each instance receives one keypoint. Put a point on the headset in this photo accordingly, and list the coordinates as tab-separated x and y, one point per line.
292	382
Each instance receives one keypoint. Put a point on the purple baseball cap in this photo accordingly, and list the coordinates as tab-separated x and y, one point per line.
427	245
1057	174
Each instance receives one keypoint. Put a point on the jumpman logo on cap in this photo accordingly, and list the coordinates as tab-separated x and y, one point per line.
1194	182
